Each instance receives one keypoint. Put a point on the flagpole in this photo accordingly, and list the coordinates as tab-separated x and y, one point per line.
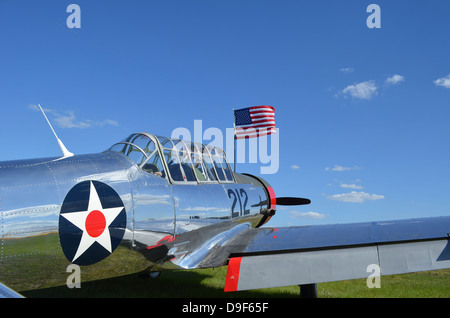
234	153
234	134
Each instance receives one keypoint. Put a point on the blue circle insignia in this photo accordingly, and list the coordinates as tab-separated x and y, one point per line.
92	222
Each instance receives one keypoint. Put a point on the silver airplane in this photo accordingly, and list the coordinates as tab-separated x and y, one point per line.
150	203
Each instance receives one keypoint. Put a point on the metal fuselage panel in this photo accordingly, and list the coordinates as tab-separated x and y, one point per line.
33	194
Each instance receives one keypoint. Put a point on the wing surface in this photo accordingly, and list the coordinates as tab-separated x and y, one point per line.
6	292
272	257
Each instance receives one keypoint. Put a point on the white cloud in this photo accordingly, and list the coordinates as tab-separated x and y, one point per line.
395	79
347	70
352	186
69	120
363	90
307	215
443	81
36	108
295	167
355	197
107	122
342	168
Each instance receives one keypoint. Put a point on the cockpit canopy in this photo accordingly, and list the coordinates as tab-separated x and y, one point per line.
175	159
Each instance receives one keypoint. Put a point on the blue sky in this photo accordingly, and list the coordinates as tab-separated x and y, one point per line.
362	113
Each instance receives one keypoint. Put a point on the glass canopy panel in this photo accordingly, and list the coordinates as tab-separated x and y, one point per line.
135	154
187	166
227	170
120	147
209	166
197	161
186	161
145	143
173	163
165	142
218	166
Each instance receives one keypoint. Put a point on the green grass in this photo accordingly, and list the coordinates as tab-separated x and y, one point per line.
209	283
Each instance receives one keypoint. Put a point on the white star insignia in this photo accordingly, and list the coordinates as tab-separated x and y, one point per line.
94	223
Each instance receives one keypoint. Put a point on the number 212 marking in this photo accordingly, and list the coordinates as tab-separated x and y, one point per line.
238	195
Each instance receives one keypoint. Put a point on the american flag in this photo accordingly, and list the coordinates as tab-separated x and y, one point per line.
254	121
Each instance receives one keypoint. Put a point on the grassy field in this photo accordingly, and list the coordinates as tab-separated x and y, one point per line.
209	283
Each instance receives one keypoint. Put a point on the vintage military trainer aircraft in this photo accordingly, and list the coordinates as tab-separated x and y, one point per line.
154	203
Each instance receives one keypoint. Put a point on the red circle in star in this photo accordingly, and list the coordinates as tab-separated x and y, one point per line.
95	223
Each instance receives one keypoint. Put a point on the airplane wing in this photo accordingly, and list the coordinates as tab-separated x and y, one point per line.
6	292
273	257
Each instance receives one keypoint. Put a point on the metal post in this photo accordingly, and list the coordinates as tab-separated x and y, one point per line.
235	153
234	134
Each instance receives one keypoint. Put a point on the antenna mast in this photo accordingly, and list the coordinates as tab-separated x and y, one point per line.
66	153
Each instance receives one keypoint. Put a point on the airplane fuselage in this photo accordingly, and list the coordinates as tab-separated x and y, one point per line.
103	212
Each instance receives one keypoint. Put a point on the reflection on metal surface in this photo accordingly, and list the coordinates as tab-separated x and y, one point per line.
124	211
158	222
32	194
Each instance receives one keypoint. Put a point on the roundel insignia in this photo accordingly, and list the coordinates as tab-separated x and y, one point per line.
92	222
